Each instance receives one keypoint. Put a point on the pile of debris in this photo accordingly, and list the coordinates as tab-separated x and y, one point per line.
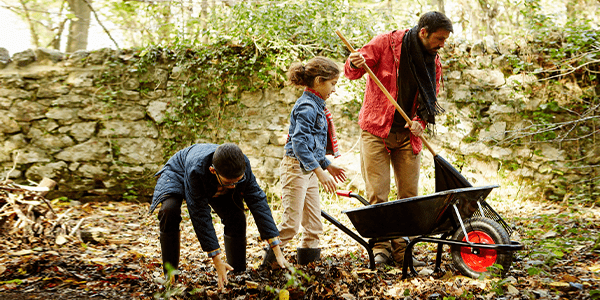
26	214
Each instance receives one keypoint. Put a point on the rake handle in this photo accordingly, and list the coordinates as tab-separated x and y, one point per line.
385	91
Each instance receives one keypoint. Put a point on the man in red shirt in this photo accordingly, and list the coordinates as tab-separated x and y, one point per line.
407	64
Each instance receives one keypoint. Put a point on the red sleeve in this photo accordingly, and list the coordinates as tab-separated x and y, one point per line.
371	51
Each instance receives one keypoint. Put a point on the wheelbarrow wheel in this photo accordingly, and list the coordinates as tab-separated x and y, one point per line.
473	262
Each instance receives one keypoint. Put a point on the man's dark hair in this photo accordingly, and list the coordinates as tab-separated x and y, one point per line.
229	161
433	21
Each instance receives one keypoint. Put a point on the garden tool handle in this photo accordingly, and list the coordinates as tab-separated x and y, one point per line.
385	91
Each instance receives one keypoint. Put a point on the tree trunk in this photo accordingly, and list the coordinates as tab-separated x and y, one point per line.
490	12
204	21
78	28
441	8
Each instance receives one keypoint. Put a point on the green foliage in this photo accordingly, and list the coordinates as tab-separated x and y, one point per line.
294	281
554	43
550	250
356	88
497	283
13	281
170	289
252	46
296	29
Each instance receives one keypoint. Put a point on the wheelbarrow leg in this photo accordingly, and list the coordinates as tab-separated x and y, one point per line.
440	250
367	245
408	259
371	255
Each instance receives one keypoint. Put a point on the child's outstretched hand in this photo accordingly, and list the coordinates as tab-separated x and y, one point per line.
339	174
326	180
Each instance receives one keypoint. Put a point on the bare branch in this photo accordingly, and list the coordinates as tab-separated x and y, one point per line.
98	20
34	35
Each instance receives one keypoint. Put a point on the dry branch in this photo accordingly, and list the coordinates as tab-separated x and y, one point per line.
24	211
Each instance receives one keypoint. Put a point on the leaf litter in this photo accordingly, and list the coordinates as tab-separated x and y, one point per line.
110	250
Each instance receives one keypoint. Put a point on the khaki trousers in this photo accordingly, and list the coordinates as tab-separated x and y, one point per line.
377	155
301	204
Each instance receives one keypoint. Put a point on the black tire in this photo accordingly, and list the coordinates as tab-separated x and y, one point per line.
486	231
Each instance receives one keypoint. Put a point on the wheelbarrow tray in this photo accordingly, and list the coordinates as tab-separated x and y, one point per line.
421	215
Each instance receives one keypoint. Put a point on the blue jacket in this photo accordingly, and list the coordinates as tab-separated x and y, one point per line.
186	174
308	132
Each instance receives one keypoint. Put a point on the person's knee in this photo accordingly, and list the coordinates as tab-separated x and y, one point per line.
235	227
169	215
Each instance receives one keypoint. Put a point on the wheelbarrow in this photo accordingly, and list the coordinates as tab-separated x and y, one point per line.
477	235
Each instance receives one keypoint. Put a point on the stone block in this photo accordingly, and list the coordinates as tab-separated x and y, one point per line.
4	58
92	171
8	124
496	132
31	155
489	78
50	170
49	54
62	113
118	128
252	99
157	110
80	79
139	150
91	150
24	58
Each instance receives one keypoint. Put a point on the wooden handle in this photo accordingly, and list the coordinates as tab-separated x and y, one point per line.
385	91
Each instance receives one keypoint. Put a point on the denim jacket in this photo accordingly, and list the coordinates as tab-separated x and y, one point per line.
308	132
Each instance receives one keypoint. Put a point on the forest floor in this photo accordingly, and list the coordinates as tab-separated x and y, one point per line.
121	260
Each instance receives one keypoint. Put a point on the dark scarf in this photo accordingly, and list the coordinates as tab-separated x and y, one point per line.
422	65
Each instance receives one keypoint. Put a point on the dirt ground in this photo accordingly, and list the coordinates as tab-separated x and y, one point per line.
121	260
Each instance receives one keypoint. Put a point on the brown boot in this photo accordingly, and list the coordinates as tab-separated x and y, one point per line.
399	246
382	259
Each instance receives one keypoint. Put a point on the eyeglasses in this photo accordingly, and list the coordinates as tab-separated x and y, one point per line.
229	184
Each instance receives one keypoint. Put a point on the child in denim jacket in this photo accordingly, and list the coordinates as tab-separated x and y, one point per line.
311	136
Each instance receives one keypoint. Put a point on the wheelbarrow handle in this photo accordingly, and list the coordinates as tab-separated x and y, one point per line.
353	195
385	91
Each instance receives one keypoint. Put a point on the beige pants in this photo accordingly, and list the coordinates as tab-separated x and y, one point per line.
375	167
301	204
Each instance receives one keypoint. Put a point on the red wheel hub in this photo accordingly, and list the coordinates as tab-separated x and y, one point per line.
478	259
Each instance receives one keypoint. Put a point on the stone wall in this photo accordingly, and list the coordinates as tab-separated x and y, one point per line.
54	122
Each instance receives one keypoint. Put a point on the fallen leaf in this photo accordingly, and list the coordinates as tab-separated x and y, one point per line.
394	271
22	252
364	271
60	240
569	278
284	294
251	284
511	289
549	234
559	285
426	272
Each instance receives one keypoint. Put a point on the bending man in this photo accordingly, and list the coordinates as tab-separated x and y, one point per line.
218	177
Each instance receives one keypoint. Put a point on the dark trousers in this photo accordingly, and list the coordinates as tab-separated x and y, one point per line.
232	215
234	220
